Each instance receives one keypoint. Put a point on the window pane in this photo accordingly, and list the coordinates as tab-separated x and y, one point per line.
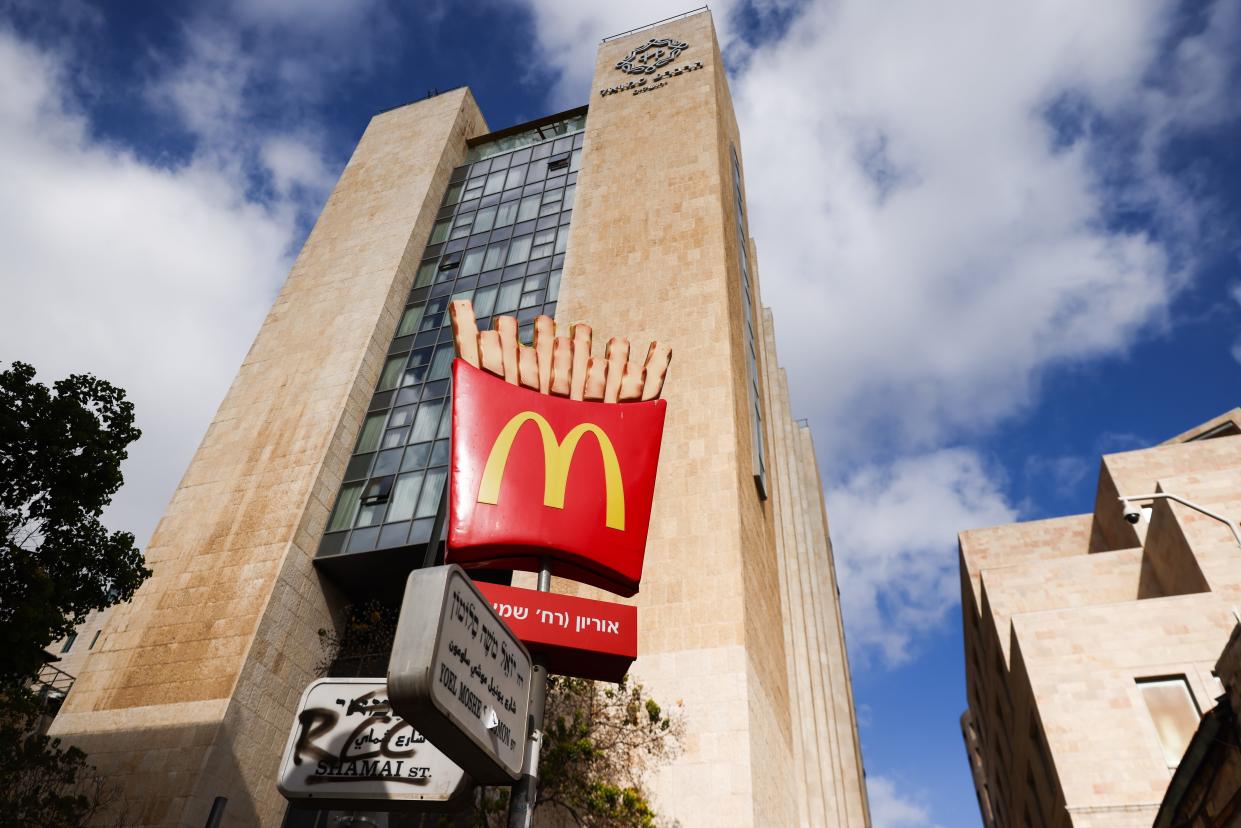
394	437
417	366
516	177
1174	713
426	422
495	183
387	462
371	429
391	372
416	457
485	301
432	489
439	456
409	322
346	506
484	220
473	262
576	163
454	193
440	231
509	294
562	241
570	193
440	363
445	430
425	274
495	256
529	208
518	250
404	496
506	214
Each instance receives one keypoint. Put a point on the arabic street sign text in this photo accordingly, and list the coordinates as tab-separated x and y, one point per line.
348	750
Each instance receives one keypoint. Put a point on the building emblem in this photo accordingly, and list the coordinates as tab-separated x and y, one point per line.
554	451
650	56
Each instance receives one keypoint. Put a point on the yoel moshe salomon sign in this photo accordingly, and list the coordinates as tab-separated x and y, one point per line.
554	451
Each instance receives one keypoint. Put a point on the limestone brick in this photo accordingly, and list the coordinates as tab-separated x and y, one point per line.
1063	620
215	647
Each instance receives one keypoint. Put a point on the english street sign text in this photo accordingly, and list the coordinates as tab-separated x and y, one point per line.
460	676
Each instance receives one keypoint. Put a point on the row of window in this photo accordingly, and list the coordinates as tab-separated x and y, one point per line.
500	246
512	176
539	136
751	339
493	250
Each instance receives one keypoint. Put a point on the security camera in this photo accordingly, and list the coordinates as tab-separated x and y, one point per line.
1132	513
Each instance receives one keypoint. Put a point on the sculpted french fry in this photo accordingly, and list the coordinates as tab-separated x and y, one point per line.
560	365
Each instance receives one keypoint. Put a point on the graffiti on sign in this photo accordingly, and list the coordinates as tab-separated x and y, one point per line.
347	743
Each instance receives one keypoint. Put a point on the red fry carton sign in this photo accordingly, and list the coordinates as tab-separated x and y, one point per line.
538	476
579	637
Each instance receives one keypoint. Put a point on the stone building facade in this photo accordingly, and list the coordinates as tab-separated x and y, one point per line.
1091	640
628	214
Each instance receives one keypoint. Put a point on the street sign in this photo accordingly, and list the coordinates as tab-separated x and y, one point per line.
347	750
460	675
578	637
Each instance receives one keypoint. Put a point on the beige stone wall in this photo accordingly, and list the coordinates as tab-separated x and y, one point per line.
826	746
1062	620
191	692
653	255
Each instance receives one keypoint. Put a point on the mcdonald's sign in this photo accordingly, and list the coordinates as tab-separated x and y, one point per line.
539	476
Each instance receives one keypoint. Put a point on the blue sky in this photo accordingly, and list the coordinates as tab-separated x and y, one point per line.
998	240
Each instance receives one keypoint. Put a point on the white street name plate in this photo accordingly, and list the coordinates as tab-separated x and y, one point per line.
460	676
349	751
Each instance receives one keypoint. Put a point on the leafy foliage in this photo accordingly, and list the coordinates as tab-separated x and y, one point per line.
60	455
40	782
599	742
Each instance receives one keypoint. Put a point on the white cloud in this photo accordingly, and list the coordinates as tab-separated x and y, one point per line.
932	190
297	167
889	809
894	531
569	31
155	279
942	211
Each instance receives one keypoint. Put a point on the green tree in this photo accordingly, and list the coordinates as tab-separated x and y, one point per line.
600	740
61	450
42	783
599	743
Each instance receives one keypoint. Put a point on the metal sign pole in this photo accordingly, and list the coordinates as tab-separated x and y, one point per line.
525	791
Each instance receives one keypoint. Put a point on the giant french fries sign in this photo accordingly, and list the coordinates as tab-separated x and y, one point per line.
554	452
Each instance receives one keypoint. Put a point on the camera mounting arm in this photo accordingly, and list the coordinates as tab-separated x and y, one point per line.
1231	524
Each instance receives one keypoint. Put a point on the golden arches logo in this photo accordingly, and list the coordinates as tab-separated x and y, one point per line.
557	456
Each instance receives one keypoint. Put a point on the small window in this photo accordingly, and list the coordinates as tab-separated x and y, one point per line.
346	507
440	231
94	640
558	162
450	262
377	492
73	636
371	430
1174	712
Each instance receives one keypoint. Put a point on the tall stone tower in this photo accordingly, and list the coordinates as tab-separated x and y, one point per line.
319	480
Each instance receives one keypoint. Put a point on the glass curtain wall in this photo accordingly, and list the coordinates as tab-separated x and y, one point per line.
499	239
